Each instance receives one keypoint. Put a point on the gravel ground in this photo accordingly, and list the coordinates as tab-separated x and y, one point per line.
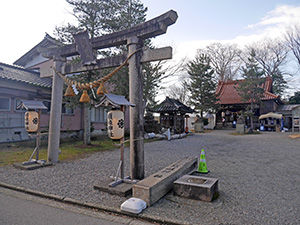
259	178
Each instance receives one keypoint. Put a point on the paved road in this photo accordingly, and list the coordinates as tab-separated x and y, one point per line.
19	208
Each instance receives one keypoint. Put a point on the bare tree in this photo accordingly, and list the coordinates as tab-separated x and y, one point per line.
271	54
156	75
225	59
292	37
179	90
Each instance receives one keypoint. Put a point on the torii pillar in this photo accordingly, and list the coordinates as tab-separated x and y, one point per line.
55	115
136	113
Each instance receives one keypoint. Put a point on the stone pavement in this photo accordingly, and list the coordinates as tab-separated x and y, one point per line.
259	177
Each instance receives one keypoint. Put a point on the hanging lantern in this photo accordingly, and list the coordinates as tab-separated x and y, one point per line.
70	92
85	97
115	124
101	90
31	121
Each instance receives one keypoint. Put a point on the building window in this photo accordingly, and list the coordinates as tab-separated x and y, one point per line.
98	114
4	104
67	109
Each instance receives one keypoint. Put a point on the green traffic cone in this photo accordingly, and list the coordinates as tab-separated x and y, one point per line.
202	163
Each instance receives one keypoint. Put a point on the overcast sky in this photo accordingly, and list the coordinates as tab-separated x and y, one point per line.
200	22
242	22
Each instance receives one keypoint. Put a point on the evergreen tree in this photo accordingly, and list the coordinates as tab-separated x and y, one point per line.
101	17
131	13
127	13
295	99
152	77
250	89
202	85
92	16
279	84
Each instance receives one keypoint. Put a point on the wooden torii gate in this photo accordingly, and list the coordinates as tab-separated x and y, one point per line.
133	37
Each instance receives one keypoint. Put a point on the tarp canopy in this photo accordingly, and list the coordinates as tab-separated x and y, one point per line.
270	114
114	100
209	115
30	104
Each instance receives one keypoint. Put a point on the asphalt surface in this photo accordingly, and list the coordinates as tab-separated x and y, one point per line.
19	208
259	177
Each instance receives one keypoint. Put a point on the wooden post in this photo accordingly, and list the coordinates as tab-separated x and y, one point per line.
38	138
122	146
186	124
136	113
87	126
55	115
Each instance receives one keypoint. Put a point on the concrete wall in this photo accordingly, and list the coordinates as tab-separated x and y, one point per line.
44	68
36	60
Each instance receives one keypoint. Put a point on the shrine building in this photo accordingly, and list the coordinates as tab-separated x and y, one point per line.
231	105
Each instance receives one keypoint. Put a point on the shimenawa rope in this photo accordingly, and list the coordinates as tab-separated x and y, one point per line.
96	83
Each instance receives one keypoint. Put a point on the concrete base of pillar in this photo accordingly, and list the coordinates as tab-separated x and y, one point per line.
123	189
31	166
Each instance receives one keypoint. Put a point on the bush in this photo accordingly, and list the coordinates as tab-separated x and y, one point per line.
151	125
205	121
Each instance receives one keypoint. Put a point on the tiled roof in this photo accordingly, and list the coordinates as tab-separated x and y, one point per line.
228	94
20	74
170	105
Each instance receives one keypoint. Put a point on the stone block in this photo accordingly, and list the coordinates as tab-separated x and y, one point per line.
199	127
196	187
240	128
152	188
